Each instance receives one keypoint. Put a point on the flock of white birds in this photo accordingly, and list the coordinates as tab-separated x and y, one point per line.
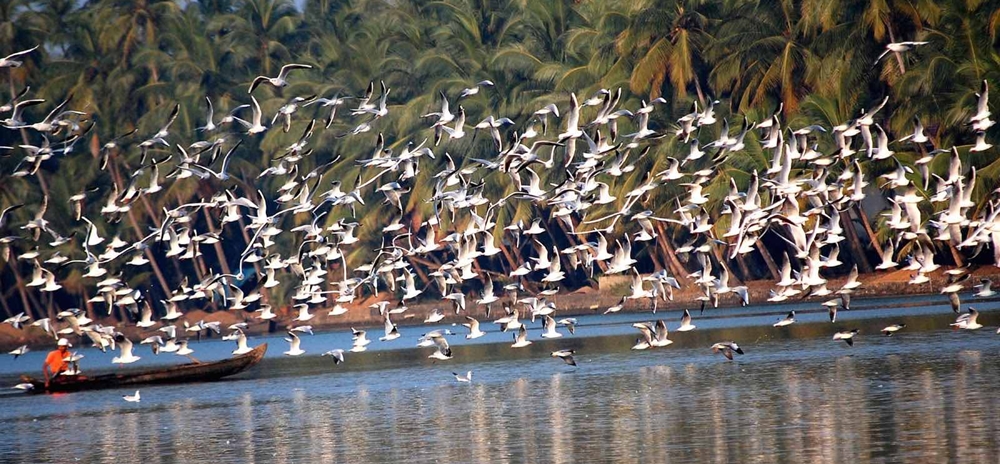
798	198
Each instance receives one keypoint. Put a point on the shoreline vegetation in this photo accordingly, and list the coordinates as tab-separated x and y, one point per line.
751	98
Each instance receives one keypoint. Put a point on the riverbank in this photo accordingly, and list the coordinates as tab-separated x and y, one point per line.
583	301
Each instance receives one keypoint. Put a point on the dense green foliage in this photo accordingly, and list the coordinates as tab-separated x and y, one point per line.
127	62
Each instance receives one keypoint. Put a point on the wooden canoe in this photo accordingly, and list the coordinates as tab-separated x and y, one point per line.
193	372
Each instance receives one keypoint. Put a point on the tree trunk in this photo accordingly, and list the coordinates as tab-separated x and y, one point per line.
872	238
676	268
768	260
857	251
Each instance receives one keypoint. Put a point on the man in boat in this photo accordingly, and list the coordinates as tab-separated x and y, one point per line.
55	362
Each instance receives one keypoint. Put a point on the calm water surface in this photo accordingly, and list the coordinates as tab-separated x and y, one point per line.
924	395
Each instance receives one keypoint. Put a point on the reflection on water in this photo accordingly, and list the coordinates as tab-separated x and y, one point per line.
919	397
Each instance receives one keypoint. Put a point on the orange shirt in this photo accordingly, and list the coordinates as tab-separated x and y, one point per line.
55	362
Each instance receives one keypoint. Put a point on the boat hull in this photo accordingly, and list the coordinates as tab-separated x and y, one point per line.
193	372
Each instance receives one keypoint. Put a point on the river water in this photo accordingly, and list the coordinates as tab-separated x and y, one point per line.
923	395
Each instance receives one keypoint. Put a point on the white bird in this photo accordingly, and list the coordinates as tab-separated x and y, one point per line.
967	321
521	339
126	356
474	331
899	47
20	351
279	81
889	330
727	349
463	378
9	61
132	398
686	324
566	356
475	89
241	344
337	355
549	328
846	336
787	320
294	345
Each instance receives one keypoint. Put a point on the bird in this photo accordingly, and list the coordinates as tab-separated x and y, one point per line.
846	336
133	398
727	349
787	320
566	356
463	378
241	344
474	330
686	324
468	92
891	329
9	61
899	47
126	356
280	80
20	351
967	321
294	345
521	338
337	355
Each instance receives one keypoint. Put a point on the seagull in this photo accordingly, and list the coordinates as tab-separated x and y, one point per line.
391	332
9	61
984	290
20	351
521	339
787	320
474	331
727	349
17	320
847	336
241	344
126	356
566	356
899	47
337	355
463	378
549	327
889	330
279	81
294	343
443	351
686	324
361	340
132	398
475	89
967	321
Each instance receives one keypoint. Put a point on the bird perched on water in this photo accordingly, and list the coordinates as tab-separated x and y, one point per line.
133	398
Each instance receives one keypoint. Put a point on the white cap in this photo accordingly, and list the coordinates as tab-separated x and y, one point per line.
63	342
